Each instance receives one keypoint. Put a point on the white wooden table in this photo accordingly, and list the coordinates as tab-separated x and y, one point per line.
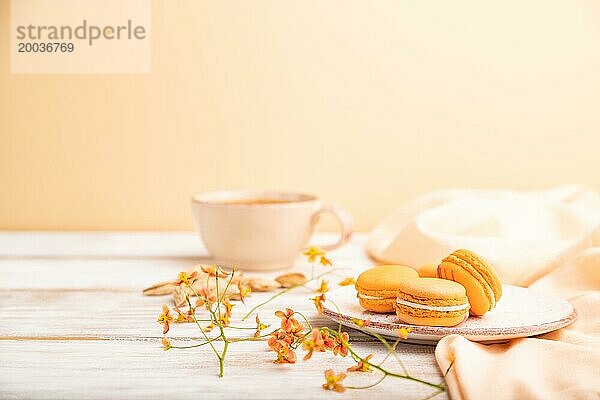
75	325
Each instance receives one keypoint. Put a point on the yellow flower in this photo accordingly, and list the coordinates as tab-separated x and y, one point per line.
259	327
226	315
329	342
319	300
206	296
280	339
166	344
403	332
341	344
362	366
324	286
184	278
333	381
325	261
313	252
285	355
244	291
214	270
165	318
288	322
228	307
347	282
224	320
181	317
314	343
360	322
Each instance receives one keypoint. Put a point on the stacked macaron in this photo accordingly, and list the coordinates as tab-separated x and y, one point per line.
431	302
462	283
378	287
479	278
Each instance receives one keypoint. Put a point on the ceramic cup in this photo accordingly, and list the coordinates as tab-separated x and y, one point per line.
262	230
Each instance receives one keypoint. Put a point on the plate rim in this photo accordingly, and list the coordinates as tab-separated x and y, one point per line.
475	333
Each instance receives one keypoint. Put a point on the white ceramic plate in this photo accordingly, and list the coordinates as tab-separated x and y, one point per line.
521	312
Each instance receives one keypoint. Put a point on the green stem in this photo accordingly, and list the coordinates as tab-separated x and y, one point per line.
249	339
217	286
308	332
441	388
368	386
284	291
447	372
226	286
243	327
219	338
224	353
448	369
195	345
339	312
391	350
222	359
305	319
201	329
378	367
431	396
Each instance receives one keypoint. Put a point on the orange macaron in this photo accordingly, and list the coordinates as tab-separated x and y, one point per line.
428	271
431	302
377	287
479	278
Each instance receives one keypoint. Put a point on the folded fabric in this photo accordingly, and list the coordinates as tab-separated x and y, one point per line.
547	240
524	234
564	364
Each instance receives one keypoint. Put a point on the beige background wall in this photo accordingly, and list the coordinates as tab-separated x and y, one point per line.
367	103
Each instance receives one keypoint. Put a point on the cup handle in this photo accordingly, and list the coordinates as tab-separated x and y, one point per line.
345	220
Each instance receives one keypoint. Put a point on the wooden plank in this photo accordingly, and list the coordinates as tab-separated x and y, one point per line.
118	314
103	245
131	274
140	369
76	325
102	298
53	264
110	274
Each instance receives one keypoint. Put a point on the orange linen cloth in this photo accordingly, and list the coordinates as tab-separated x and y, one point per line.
525	235
564	364
546	240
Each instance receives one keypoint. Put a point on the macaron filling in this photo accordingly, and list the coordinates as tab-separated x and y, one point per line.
377	287
366	296
433	308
